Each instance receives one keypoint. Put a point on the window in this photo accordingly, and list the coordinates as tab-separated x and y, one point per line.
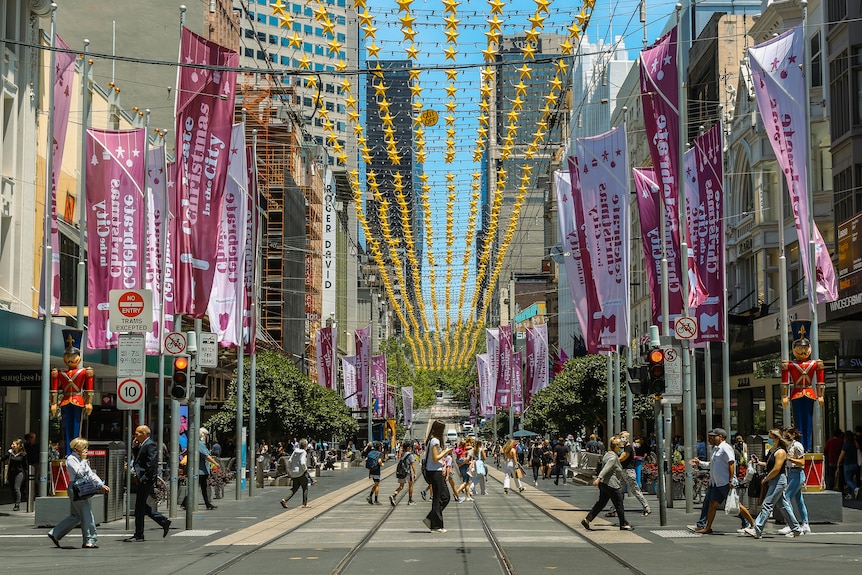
248	52
341	38
318	140
306	101
285	61
307	30
296	9
857	85
319	50
340	3
308	11
273	20
839	82
318	32
816	62
261	55
846	198
836	10
273	39
261	36
340	20
330	107
249	33
296	27
261	18
330	89
340	108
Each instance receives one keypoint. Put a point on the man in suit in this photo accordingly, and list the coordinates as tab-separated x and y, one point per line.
146	459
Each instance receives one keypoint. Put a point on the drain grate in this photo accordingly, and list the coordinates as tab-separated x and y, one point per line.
676	533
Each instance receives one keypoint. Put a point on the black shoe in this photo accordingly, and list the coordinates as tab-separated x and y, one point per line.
16	508
211	507
133	539
54	540
165	528
586	524
556	481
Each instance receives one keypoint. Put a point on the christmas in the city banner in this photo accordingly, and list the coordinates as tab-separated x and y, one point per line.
779	87
378	384
407	404
204	113
537	360
158	256
503	392
362	343
252	222
576	258
324	345
705	224
116	235
63	75
225	309
659	79
474	403
604	189
649	212
517	384
492	348
390	401
348	372
486	390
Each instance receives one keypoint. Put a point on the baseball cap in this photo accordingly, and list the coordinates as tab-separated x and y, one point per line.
718	431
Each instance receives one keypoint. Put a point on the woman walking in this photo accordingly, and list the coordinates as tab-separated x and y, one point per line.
77	467
776	463
513	468
17	457
536	460
848	464
479	468
434	468
610	482
796	477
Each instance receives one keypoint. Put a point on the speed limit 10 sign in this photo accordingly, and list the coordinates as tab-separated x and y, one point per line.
130	393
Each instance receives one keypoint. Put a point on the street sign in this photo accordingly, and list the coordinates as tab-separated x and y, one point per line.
685	328
131	311
208	350
673	373
175	343
131	354
130	393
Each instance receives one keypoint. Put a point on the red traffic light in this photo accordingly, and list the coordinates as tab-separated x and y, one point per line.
181	363
656	356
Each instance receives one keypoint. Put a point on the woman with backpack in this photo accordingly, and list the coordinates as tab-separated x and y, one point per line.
297	468
373	463
405	472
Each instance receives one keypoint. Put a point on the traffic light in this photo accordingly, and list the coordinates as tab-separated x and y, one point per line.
636	380
655	371
201	387
180	385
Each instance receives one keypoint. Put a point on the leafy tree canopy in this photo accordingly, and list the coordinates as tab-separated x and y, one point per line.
289	404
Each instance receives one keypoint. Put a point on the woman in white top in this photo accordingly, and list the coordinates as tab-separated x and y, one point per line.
796	477
434	474
479	469
80	510
513	469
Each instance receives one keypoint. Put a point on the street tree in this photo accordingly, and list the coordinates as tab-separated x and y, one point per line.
289	403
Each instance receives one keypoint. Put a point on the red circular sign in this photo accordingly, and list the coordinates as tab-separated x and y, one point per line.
131	304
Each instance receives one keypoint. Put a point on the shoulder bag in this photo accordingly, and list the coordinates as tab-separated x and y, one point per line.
84	488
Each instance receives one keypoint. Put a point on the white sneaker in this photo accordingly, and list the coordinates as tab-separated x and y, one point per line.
741	531
806	528
462	499
751	531
785	530
441	530
794	534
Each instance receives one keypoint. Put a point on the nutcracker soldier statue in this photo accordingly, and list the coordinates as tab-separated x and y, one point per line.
802	382
76	384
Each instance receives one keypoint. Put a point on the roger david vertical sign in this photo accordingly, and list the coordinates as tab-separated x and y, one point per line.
330	225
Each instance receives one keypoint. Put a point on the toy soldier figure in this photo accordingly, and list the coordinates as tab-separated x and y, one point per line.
77	385
802	382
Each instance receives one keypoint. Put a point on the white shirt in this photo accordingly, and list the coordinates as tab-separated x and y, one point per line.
719	470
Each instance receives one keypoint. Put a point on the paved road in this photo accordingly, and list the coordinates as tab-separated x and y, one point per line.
533	532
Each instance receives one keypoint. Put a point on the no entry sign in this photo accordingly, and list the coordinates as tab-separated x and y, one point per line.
131	311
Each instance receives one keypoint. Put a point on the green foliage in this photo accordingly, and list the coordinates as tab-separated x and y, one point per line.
577	399
289	404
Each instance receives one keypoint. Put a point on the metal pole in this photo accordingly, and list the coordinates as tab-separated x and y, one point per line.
160	432
252	400
707	389
629	394
81	291
175	440
615	356
47	284
660	450
609	380
367	374
142	280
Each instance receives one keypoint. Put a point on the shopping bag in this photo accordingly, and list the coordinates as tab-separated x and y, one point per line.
84	488
731	506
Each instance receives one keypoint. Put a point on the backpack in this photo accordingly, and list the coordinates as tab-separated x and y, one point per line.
403	469
296	467
372	461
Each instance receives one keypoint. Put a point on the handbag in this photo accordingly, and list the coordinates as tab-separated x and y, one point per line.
480	467
84	488
731	506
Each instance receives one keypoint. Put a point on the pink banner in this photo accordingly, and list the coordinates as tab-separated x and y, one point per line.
226	309
537	360
326	359
517	385
604	190
157	207
390	401
779	86
362	341
348	372
378	384
204	112
252	222
660	96
115	223
649	208
576	260
63	75
502	394
705	224
407	404
486	389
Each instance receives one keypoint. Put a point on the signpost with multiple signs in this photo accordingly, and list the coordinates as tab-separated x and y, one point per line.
672	374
